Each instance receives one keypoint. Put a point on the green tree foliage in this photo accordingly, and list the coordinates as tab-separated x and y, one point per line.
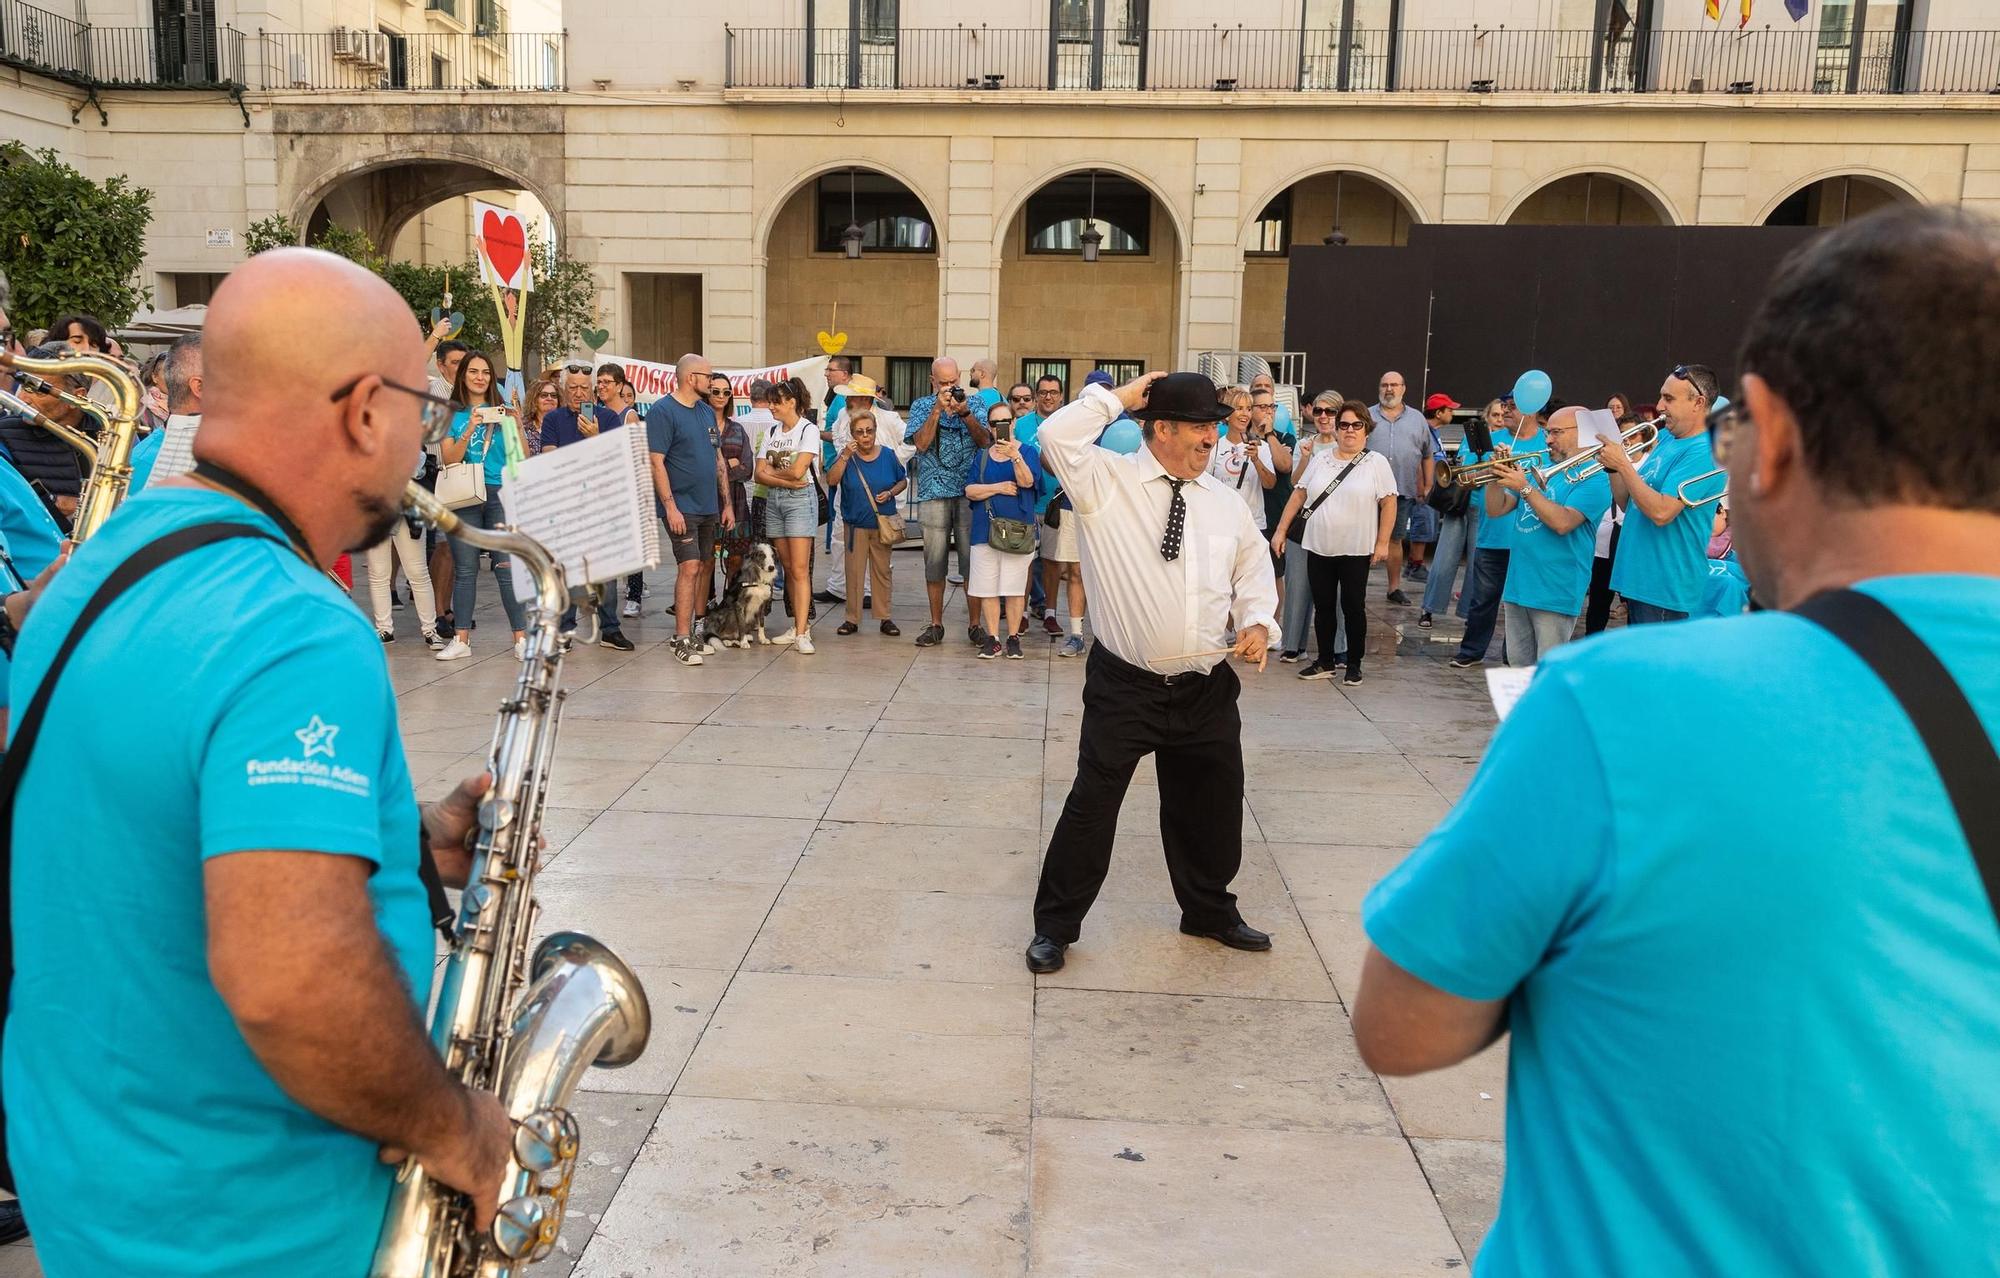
275	231
68	243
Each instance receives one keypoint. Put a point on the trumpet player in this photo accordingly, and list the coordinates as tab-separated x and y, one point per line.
1663	553
223	942
1492	543
1554	540
55	468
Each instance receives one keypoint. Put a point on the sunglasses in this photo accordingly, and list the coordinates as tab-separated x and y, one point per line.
1324	412
437	412
1349	425
1021	398
547	395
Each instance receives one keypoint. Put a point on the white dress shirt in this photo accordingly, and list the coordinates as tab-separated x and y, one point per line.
1142	607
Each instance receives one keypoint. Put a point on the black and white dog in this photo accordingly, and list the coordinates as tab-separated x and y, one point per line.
738	617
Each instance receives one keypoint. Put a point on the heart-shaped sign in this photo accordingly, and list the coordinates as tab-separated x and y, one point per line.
832	343
453	325
595	338
505	242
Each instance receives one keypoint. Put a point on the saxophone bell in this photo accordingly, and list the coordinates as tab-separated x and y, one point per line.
111	451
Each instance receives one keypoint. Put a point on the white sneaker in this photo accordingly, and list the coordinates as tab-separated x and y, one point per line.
520	649
806	643
456	650
631	608
789	637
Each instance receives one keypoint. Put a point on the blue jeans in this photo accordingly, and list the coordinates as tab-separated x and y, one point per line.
1489	578
465	567
607	610
1454	545
1640	614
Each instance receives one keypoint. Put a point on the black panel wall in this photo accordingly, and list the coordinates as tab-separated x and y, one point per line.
1601	309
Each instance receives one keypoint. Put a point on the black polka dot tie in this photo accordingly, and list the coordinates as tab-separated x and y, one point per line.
1170	544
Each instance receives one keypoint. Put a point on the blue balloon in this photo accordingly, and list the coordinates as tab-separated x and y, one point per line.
1721	402
1121	436
1532	390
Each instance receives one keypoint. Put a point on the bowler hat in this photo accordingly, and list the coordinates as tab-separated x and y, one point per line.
1182	397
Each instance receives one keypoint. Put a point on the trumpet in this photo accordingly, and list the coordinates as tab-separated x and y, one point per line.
1475	474
1640	438
1682	491
111	452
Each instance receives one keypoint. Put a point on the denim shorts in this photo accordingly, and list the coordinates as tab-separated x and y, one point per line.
1401	529
791	512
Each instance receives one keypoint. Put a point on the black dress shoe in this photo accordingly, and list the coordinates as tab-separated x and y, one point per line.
14	1226
1045	955
1239	936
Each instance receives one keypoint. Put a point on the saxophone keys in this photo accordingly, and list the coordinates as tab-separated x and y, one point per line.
526	1226
544	1139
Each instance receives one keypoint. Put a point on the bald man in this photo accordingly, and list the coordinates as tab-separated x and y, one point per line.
224	947
1554	539
950	426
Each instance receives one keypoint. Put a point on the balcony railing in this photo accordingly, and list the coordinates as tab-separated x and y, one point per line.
458	62
1495	60
172	56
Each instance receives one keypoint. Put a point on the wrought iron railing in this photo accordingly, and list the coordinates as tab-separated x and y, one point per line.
174	55
1471	60
356	61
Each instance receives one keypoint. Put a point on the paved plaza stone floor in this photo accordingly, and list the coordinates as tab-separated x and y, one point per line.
821	867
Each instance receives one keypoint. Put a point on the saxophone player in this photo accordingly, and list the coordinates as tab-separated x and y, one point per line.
223	943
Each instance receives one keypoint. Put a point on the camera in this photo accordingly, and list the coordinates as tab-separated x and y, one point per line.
958	394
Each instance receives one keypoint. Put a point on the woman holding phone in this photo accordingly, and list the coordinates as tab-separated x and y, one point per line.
477	436
1002	485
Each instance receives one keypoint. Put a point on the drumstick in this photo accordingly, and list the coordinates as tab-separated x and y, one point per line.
1190	656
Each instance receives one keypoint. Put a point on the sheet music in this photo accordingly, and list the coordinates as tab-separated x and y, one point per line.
1506	684
1595	424
176	455
591	504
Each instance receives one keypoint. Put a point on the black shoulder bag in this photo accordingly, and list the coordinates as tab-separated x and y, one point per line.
1959	746
1305	516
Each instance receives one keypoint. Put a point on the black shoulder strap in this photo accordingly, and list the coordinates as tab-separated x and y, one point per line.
1327	492
1959	746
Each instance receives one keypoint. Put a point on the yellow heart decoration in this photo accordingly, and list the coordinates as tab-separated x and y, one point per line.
831	343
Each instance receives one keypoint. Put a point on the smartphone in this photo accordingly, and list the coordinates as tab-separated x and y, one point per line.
1005	430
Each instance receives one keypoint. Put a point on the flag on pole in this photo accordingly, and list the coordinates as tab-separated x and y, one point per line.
1797	8
1746	14
1713	10
1621	18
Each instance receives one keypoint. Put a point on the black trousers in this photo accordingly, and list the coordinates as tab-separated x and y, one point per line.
1597	612
1192	730
1339	581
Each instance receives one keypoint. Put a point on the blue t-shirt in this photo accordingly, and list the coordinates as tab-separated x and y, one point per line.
486	447
29	538
1725	591
1664	565
1752	977
559	425
1020	506
144	454
884	473
684	435
251	704
1498	534
1549	572
989	396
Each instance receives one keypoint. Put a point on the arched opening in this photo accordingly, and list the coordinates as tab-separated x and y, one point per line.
1833	200
1063	314
1589	199
885	301
421	211
1343	207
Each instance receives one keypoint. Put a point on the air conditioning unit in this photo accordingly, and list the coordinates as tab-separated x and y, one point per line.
345	42
300	78
372	49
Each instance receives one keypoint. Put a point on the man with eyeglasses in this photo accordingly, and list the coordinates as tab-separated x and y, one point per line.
1748	954
1554	540
1492	543
1662	558
267	953
692	485
1402	436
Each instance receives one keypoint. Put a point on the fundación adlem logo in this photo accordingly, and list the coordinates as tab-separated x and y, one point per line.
317	737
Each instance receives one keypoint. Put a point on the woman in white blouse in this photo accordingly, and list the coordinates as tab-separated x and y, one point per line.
1346	534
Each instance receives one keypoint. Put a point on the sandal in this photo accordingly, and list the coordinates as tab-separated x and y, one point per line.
847	628
889	628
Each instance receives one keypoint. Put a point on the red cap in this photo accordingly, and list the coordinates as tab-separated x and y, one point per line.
1438	401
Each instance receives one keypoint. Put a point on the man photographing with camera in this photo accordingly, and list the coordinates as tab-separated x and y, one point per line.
950	428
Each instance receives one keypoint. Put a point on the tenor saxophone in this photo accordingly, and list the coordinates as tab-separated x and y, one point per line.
523	1024
110	454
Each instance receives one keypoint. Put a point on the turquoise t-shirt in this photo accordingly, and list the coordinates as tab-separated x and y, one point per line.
1549	572
1725	591
487	446
30	538
1664	565
1753	980
1498	534
144	454
232	700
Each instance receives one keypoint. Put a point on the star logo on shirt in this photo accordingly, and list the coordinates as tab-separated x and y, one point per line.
317	737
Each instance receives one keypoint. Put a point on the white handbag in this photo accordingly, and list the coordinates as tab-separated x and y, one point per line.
462	483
